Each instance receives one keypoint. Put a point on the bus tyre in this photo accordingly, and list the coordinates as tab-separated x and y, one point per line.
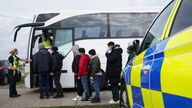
5	80
124	101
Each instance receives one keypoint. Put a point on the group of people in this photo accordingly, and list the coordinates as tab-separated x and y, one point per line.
86	68
45	63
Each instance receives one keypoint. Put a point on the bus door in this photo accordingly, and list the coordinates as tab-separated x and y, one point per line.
36	40
63	39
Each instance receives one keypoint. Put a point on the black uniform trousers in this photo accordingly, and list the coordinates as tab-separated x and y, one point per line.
12	82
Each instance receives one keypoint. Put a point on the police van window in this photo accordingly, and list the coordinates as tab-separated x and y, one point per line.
183	18
130	25
154	34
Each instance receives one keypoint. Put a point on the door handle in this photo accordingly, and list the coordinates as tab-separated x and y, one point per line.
146	69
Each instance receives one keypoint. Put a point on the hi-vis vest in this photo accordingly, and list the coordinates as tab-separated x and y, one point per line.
15	62
46	42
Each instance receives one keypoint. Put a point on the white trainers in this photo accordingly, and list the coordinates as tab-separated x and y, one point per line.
113	102
77	98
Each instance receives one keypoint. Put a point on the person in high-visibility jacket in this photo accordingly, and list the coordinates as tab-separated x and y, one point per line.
13	72
45	39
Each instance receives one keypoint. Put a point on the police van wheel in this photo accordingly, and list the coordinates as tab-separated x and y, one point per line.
124	102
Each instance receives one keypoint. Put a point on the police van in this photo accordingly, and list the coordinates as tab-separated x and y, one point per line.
160	74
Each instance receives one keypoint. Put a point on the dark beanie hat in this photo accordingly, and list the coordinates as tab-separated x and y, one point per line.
54	48
81	50
92	52
111	43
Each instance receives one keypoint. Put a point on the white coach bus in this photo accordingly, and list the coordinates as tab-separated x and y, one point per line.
90	30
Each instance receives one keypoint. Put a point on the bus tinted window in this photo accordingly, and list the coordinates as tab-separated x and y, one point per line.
129	25
87	26
88	32
45	17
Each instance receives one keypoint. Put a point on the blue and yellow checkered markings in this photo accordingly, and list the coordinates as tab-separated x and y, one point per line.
127	72
176	70
155	74
148	57
145	76
173	101
137	96
146	94
155	83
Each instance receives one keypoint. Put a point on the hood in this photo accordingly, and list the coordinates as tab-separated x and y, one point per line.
43	50
59	55
75	49
120	50
94	56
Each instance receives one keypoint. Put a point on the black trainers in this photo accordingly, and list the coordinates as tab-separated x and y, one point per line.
56	96
95	100
61	96
85	99
41	97
47	97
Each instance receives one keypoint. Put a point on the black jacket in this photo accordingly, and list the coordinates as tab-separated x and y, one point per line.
42	61
57	61
114	64
75	64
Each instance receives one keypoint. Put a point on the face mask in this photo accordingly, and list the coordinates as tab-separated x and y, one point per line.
109	48
90	56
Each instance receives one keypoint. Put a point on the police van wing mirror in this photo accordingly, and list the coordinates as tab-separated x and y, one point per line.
136	44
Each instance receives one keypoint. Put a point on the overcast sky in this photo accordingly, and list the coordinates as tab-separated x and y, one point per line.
15	12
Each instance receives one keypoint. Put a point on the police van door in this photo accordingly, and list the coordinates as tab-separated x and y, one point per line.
153	59
145	74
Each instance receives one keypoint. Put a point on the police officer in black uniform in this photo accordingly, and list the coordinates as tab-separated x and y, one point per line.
13	72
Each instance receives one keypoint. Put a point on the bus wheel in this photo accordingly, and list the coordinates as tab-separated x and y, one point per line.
124	102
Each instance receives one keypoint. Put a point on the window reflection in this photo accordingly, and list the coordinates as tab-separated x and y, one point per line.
63	41
129	25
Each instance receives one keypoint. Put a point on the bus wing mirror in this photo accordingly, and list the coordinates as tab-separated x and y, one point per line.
17	28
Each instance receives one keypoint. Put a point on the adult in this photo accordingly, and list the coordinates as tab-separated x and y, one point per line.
83	73
96	74
45	39
113	69
13	72
75	69
43	66
56	67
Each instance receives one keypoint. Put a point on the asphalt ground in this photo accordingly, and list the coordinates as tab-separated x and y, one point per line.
30	98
